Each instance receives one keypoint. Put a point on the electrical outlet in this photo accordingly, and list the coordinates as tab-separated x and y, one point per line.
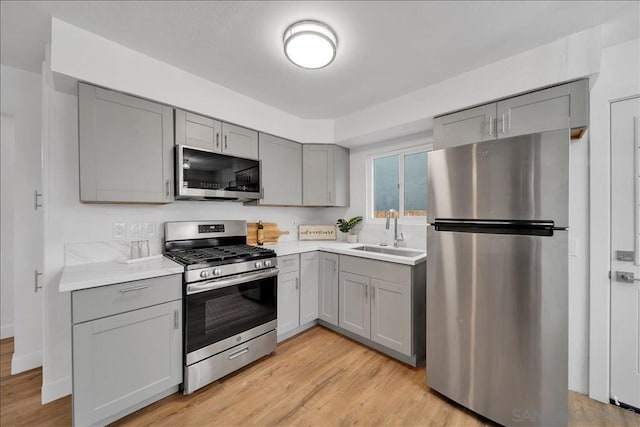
148	229
119	230
135	230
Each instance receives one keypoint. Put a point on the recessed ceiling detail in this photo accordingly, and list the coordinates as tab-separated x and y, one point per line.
310	44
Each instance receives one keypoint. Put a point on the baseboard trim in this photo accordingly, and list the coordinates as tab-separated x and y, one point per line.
25	362
55	390
6	331
297	331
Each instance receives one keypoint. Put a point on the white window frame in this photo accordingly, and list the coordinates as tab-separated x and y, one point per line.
370	190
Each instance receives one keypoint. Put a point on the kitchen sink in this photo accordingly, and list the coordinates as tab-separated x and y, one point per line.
389	251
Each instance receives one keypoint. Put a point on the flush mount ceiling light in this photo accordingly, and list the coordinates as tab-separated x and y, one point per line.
310	44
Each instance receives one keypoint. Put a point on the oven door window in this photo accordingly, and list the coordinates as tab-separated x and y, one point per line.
222	313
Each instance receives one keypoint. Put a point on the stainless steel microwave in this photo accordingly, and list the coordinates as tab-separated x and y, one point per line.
207	175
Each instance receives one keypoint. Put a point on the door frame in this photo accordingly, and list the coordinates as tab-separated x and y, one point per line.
600	245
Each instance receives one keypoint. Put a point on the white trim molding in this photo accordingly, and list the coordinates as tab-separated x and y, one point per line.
55	390
25	362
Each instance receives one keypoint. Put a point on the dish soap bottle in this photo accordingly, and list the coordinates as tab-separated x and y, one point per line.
260	233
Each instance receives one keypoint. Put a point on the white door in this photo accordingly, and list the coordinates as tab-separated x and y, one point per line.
625	265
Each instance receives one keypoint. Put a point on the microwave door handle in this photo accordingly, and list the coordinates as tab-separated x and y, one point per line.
210	285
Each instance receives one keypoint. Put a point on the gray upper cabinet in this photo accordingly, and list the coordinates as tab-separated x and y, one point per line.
540	111
198	131
281	170
328	287
355	297
325	180
558	107
210	134
239	141
464	127
126	148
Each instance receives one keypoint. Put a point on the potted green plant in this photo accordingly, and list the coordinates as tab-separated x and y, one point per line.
349	227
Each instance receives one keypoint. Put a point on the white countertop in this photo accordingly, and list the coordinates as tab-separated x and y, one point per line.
85	276
290	248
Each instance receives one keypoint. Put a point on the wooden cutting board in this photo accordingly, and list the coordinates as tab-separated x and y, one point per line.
271	233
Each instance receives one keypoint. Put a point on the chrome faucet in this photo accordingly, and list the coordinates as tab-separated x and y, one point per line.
388	215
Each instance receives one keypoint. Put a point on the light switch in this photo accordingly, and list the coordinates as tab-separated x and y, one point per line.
573	247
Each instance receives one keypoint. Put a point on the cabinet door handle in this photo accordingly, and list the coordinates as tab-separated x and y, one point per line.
36	286
366	291
490	125
239	353
225	142
137	288
36	202
217	139
176	319
168	188
503	124
297	283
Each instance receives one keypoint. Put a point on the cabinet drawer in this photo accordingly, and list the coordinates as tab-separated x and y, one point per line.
289	264
382	270
89	304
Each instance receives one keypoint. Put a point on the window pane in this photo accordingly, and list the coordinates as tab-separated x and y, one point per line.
386	195
415	184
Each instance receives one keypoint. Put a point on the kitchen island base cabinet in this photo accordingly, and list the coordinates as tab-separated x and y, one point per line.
127	350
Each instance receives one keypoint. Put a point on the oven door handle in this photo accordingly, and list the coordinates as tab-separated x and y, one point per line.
210	285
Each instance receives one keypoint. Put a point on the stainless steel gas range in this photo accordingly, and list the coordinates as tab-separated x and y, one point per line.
230	298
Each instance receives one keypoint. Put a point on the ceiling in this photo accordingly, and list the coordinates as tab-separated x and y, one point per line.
386	48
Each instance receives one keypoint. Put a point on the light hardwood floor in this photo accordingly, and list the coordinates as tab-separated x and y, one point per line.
318	378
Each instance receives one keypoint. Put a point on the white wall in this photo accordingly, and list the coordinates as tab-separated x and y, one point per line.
568	58
374	232
619	77
85	56
21	99
7	158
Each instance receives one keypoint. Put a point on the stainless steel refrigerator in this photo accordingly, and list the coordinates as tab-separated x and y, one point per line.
497	277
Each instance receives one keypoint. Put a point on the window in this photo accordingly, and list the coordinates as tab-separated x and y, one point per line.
398	180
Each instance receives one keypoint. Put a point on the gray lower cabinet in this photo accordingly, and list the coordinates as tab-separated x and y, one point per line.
355	311
125	148
325	179
328	287
127	347
297	293
288	302
309	287
559	107
382	304
281	169
390	318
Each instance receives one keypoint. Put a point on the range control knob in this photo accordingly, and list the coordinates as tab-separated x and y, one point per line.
205	273
267	263
258	264
217	272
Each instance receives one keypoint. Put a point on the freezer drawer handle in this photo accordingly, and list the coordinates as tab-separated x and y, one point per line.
626	277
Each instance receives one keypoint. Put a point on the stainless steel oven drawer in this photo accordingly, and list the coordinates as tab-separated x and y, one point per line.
94	303
215	367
